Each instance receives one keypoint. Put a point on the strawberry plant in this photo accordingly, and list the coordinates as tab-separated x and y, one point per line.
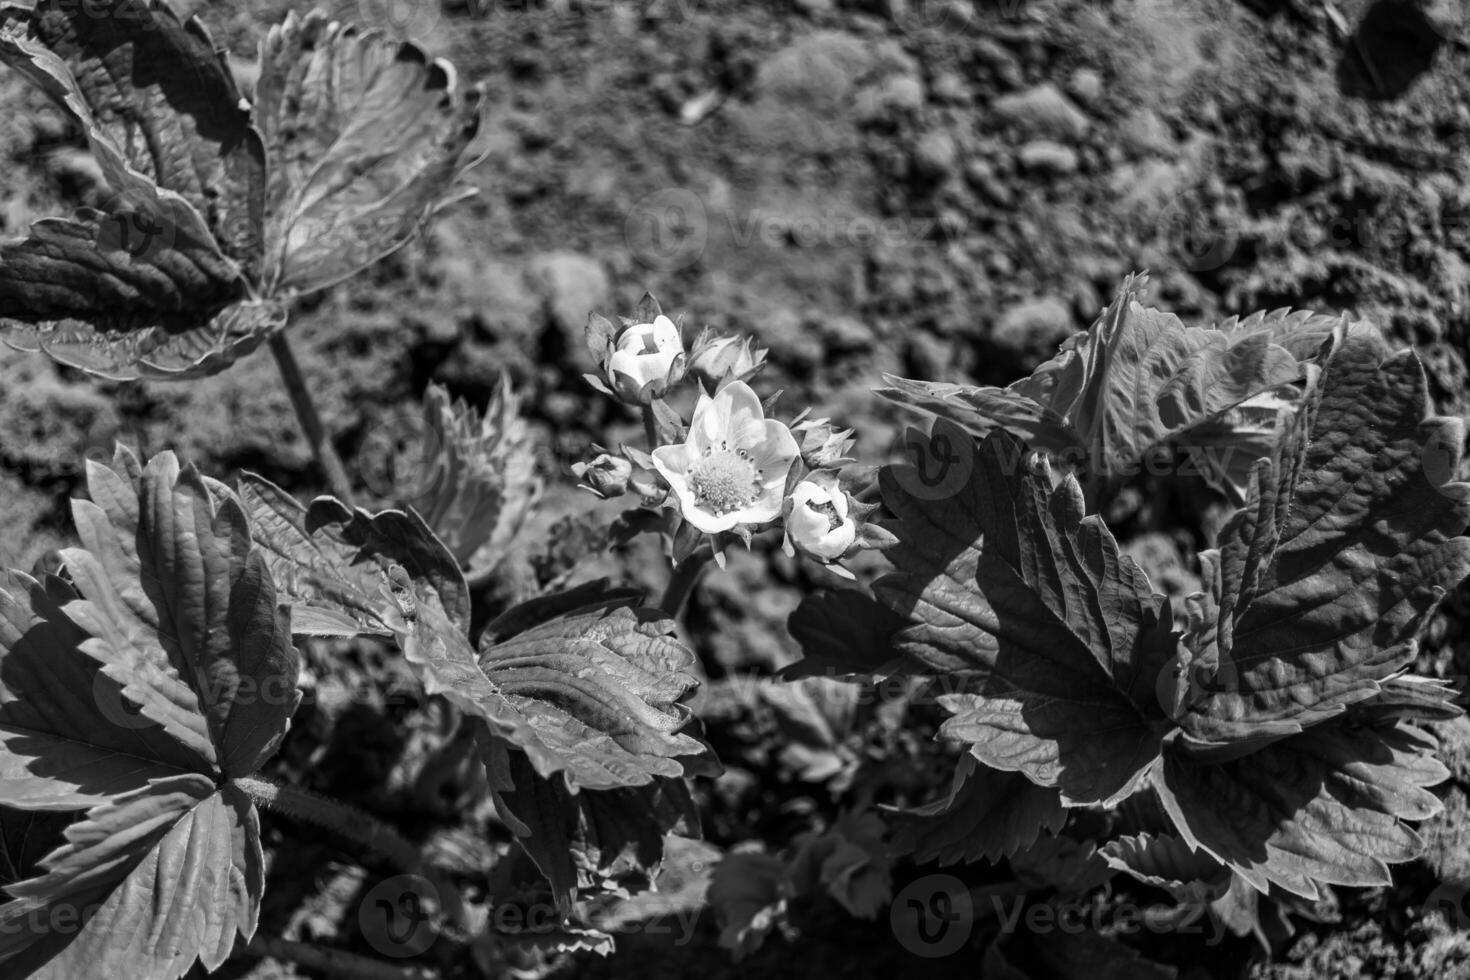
1241	749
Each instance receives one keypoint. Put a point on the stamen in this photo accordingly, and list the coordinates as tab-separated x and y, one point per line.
724	481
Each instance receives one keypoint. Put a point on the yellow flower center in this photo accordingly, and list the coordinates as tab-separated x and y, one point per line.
828	510
724	479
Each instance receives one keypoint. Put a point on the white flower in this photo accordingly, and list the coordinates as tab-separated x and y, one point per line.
732	468
817	519
644	353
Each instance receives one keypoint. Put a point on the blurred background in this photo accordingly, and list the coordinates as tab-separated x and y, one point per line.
933	188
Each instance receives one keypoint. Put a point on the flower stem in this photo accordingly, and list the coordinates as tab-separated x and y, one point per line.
682	581
311	422
348	821
650	427
335	961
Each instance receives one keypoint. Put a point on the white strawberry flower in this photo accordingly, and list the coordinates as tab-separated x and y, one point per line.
732	467
818	521
643	354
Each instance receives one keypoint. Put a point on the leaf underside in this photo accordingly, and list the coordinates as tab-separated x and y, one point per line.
367	137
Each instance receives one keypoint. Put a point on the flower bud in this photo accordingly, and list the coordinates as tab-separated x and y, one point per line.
644	359
607	475
821	444
716	360
817	519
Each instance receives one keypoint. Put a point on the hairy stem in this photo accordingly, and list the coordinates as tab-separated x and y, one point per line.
338	962
682	582
348	821
311	422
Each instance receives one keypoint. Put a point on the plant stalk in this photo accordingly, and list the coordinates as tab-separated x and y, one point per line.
682	581
338	962
348	821
311	422
650	427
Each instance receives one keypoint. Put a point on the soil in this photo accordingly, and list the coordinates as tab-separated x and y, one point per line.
940	190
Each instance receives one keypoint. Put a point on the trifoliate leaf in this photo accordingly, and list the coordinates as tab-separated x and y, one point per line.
136	691
592	840
987	815
1054	638
1139	376
210	229
1346	545
1326	805
594	693
367	137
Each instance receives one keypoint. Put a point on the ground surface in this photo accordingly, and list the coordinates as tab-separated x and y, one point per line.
940	190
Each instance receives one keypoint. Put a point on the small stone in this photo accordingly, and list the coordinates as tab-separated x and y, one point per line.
1086	85
572	285
936	155
1043	110
1034	325
1047	156
1142	131
949	87
814	8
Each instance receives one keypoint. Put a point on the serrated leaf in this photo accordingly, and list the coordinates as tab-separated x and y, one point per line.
1301	332
1345	547
136	691
155	91
987	815
1138	377
153	881
592	840
1165	861
478	475
367	137
334	587
1052	636
126	309
1326	805
157	285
